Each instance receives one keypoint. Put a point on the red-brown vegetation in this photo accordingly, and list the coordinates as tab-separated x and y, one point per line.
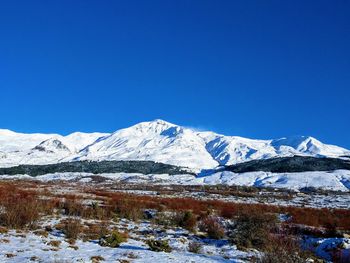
213	227
23	202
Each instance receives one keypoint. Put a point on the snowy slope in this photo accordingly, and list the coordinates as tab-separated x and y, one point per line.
79	140
11	141
338	180
19	148
168	143
158	141
229	150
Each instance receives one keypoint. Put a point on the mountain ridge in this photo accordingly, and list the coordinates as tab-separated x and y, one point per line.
158	141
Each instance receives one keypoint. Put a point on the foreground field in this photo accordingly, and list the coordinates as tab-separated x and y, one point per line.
80	222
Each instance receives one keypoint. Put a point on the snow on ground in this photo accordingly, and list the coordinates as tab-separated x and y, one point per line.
27	247
338	180
324	247
32	246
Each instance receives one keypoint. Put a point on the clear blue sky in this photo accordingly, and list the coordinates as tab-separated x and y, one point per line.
261	69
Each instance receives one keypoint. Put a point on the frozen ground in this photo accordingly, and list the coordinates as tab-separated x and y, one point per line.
52	246
32	246
335	183
338	180
323	246
29	247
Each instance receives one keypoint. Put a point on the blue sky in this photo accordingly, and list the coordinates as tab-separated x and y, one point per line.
260	69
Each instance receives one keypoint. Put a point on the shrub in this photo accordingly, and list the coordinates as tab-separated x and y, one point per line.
164	219
72	228
113	240
212	226
159	245
129	209
284	250
19	210
299	215
228	211
72	207
97	211
252	229
54	243
96	259
194	247
95	231
187	220
3	230
41	232
281	257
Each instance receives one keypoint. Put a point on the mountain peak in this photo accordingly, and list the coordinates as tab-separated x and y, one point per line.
52	145
295	141
156	140
160	122
156	126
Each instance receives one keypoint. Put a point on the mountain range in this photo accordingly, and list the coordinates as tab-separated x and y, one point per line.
158	141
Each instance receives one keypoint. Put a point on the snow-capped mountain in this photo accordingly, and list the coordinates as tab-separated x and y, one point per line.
20	148
158	141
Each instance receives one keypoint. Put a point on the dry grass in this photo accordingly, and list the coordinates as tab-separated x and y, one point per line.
96	259
25	202
72	228
213	227
54	243
300	215
20	209
94	231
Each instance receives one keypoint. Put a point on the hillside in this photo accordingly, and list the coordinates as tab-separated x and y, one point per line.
293	164
157	141
142	167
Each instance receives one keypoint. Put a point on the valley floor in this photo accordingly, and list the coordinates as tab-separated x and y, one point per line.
239	188
65	221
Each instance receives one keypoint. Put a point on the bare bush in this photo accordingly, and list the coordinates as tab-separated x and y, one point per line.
129	209
159	245
187	220
72	207
252	229
113	239
283	249
213	227
19	210
195	247
72	228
